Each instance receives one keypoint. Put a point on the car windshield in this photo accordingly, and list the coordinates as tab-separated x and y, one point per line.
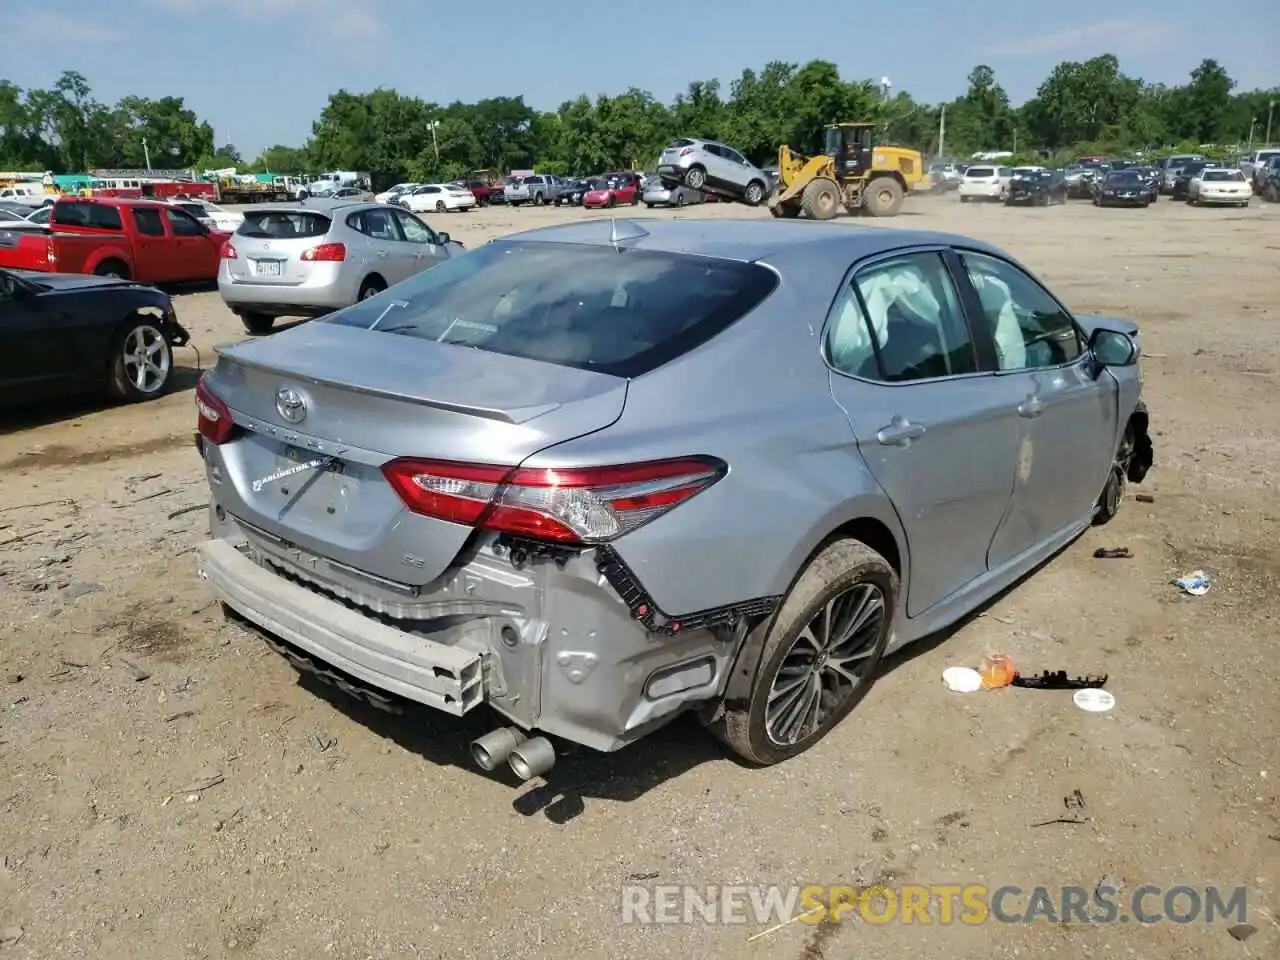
980	172
578	305
532	180
1232	175
1123	178
283	224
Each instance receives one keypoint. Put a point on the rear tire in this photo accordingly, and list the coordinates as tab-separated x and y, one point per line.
695	178
141	362
257	324
371	287
754	194
882	197
112	268
821	199
440	206
845	583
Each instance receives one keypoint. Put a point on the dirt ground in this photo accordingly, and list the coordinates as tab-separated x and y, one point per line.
217	807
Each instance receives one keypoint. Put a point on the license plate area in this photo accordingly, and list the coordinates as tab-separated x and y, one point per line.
268	268
304	485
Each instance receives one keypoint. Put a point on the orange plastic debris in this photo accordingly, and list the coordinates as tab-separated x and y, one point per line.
997	670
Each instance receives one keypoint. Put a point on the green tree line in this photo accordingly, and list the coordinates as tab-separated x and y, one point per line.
1089	106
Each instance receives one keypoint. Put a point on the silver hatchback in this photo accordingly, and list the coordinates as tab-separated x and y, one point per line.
306	260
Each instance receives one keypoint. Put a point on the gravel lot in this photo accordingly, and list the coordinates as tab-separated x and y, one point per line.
221	808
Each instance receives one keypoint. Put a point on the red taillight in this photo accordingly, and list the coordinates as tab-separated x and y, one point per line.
588	505
229	251
50	251
326	253
213	416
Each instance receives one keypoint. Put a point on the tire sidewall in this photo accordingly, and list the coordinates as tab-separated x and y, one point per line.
816	586
124	387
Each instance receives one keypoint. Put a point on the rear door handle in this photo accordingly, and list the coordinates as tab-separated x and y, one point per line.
900	432
1030	407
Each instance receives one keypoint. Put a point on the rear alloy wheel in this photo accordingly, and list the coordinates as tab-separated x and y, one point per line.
440	206
142	362
818	657
371	288
113	269
754	194
695	178
1112	495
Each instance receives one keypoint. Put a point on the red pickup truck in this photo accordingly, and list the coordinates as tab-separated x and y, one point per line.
139	240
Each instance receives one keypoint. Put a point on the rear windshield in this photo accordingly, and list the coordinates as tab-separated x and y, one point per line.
677	144
622	313
537	179
87	215
1222	175
284	224
980	172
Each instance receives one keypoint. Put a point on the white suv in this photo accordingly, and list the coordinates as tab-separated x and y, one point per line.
985	182
709	166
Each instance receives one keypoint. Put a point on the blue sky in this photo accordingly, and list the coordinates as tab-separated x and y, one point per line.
261	70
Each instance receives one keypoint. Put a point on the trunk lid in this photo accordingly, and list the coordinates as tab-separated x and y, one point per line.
370	397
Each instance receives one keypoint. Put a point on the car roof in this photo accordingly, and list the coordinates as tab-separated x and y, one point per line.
747	240
318	205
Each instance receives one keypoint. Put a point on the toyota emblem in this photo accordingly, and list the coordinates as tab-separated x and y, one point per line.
290	405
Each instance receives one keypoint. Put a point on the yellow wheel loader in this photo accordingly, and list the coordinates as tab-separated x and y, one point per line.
852	172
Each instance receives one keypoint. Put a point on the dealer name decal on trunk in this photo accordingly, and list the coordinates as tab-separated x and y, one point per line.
290	471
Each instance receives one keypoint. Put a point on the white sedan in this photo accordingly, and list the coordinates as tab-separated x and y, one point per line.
211	215
438	197
38	217
1220	185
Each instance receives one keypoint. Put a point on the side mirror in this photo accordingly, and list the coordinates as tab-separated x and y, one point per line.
445	239
1113	349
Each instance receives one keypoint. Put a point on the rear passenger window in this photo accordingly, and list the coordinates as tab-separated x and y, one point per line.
94	215
148	222
901	320
378	224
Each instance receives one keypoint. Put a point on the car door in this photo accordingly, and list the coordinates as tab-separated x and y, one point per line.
916	385
153	247
1067	411
428	249
393	257
195	254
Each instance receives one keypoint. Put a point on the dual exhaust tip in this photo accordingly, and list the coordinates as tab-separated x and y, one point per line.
527	758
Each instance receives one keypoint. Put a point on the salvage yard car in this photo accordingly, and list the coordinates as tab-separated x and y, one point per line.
1037	187
63	334
1123	188
306	261
1220	185
522	479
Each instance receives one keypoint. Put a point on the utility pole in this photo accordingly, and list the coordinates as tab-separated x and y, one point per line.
1015	141
1271	108
435	144
146	154
942	133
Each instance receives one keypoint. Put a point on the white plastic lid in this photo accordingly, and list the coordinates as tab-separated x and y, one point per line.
962	679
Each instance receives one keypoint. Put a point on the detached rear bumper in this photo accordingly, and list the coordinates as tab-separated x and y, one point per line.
447	678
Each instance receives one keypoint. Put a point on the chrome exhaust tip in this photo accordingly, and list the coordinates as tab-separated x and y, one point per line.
492	750
533	758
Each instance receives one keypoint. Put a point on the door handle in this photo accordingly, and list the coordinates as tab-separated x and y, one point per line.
1031	407
900	432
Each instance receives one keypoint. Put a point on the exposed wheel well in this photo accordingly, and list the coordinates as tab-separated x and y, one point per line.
373	279
876	536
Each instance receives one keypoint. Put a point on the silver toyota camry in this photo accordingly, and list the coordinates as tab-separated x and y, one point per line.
595	475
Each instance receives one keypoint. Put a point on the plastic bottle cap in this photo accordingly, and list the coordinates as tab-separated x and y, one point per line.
962	679
1094	700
